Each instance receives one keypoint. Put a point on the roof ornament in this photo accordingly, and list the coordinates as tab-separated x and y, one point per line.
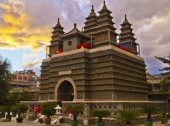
92	9
125	17
58	20
75	25
104	5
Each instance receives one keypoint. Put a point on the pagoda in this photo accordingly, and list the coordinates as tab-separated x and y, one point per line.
90	67
56	42
126	37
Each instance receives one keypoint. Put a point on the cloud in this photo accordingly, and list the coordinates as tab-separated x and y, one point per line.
16	29
30	56
31	64
28	24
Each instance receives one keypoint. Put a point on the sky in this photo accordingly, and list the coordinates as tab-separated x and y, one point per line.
26	26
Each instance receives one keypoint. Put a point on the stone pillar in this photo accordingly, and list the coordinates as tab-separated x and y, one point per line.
86	115
120	106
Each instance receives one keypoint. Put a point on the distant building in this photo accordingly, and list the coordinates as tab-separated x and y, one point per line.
25	80
154	81
156	92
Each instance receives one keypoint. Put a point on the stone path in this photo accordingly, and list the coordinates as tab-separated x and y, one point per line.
155	124
31	123
24	123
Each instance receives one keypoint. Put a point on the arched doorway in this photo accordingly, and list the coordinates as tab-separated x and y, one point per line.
66	87
65	92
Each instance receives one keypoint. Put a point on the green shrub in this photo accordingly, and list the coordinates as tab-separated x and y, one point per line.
127	115
74	109
100	114
149	109
48	109
19	108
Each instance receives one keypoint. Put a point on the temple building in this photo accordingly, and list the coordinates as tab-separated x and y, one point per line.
93	68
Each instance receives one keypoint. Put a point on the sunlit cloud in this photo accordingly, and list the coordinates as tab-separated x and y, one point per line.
17	30
28	24
31	64
28	56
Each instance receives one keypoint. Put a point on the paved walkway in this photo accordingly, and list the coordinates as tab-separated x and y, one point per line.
31	123
155	124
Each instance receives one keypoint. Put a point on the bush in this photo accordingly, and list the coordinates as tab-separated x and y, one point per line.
127	115
149	109
19	108
48	109
100	114
74	109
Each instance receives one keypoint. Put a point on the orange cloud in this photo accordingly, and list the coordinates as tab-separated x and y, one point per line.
16	30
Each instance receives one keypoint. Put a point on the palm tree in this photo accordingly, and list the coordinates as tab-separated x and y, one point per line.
74	110
100	114
127	115
149	109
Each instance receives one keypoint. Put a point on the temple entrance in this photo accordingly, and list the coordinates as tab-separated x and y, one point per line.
65	92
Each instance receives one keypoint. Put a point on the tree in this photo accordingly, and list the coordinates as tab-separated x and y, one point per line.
167	68
21	96
5	73
165	83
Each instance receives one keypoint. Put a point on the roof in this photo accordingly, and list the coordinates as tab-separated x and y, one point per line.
104	9
20	83
151	79
74	31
